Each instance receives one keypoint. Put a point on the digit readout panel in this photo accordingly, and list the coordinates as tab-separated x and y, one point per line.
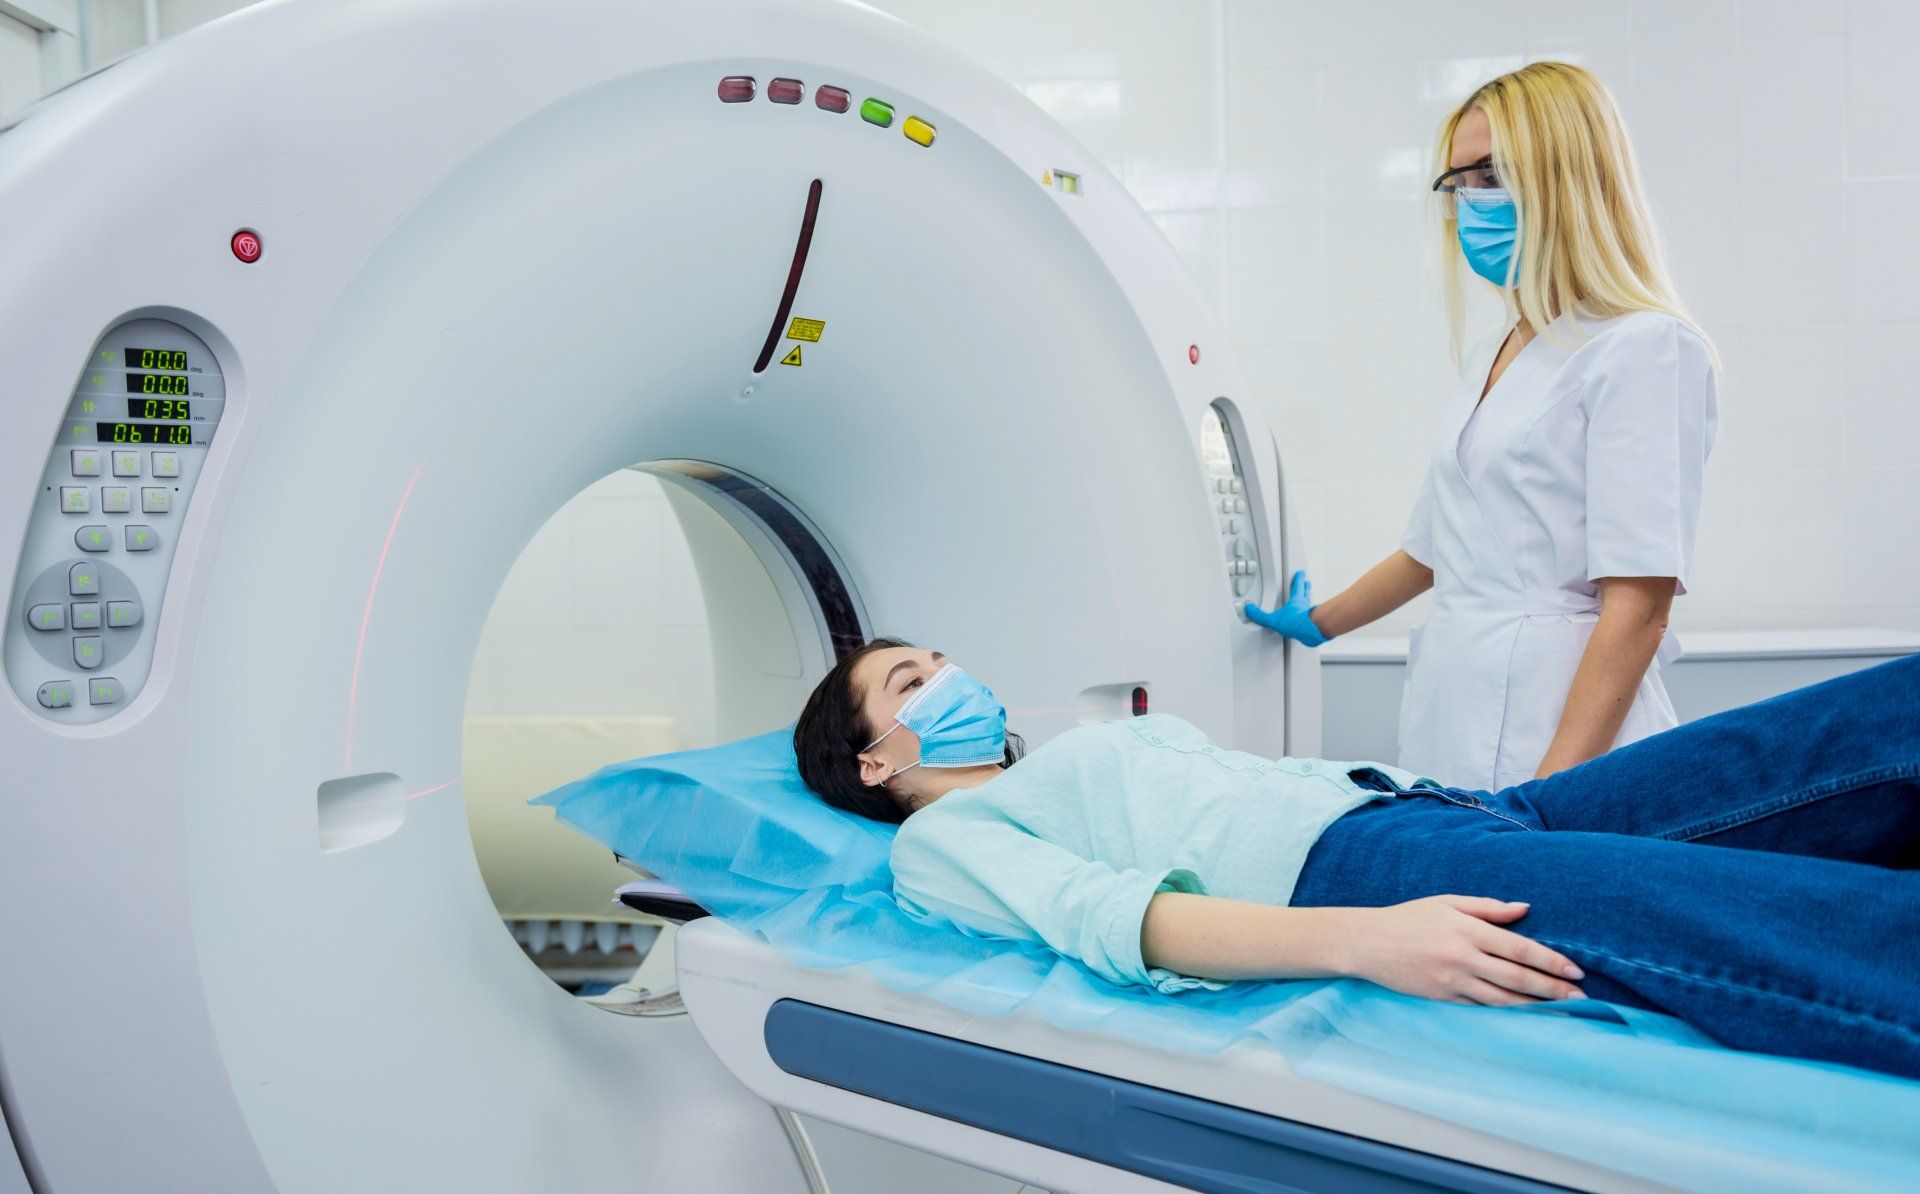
99	547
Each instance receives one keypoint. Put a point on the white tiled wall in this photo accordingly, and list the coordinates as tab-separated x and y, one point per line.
19	64
601	615
39	50
1283	147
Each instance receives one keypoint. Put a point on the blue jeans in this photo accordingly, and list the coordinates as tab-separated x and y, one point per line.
1751	872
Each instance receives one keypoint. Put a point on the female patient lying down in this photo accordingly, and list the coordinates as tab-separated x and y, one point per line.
1750	873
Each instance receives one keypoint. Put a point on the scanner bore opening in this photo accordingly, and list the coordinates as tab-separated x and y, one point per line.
671	605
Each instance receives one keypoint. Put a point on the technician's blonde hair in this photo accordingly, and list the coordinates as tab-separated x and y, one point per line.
1587	240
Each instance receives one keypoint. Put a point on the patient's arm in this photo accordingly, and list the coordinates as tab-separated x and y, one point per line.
1442	947
1386	587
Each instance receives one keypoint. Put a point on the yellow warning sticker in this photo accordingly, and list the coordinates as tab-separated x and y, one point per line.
792	358
806	329
1046	178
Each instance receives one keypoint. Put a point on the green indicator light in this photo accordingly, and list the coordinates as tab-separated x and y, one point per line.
875	111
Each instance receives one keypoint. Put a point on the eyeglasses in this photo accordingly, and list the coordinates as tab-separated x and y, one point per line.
1481	176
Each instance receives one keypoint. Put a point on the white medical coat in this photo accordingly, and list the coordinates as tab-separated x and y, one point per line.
1585	461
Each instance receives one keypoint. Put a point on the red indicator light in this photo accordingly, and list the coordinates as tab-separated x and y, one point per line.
832	99
736	89
1193	354
1140	701
246	245
786	91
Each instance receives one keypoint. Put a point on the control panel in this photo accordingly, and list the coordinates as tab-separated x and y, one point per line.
1227	489
106	520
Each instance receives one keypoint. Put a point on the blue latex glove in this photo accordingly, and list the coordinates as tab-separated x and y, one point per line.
1294	617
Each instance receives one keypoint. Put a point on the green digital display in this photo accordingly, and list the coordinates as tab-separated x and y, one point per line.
157	383
156	358
143	433
159	408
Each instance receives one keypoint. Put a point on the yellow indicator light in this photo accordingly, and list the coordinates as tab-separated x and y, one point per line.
918	131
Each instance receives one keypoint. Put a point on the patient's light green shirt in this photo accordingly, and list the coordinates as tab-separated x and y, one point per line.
1068	845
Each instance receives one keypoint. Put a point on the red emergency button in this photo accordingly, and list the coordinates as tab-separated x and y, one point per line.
246	245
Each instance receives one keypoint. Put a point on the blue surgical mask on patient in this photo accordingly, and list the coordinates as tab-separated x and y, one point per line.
958	719
1488	223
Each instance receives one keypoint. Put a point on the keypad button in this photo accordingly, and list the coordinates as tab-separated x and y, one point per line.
104	690
123	613
126	464
142	538
56	694
115	499
1233	526
86	615
166	464
1243	586
1233	486
47	617
1239	505
93	538
86	651
86	462
155	500
1240	549
76	499
83	580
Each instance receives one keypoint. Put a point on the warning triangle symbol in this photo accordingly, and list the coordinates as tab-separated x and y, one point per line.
792	358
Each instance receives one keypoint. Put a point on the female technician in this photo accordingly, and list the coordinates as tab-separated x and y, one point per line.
1556	523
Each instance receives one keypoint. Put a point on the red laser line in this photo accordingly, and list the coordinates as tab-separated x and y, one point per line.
408	796
366	615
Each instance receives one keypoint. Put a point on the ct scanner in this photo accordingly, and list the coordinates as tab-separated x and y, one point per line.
311	317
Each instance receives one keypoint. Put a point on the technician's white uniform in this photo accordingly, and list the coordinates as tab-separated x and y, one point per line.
1585	460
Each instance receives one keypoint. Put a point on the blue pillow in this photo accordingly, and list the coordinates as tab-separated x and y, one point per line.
732	826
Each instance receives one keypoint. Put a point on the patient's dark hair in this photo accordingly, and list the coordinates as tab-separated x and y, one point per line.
831	733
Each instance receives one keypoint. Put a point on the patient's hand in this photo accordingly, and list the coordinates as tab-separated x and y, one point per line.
1453	948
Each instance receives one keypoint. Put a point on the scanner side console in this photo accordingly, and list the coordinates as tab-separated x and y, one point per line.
105	522
1228	491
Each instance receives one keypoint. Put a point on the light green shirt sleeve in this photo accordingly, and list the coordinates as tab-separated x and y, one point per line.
993	878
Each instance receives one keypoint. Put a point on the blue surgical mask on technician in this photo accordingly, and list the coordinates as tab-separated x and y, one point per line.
959	722
1488	224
